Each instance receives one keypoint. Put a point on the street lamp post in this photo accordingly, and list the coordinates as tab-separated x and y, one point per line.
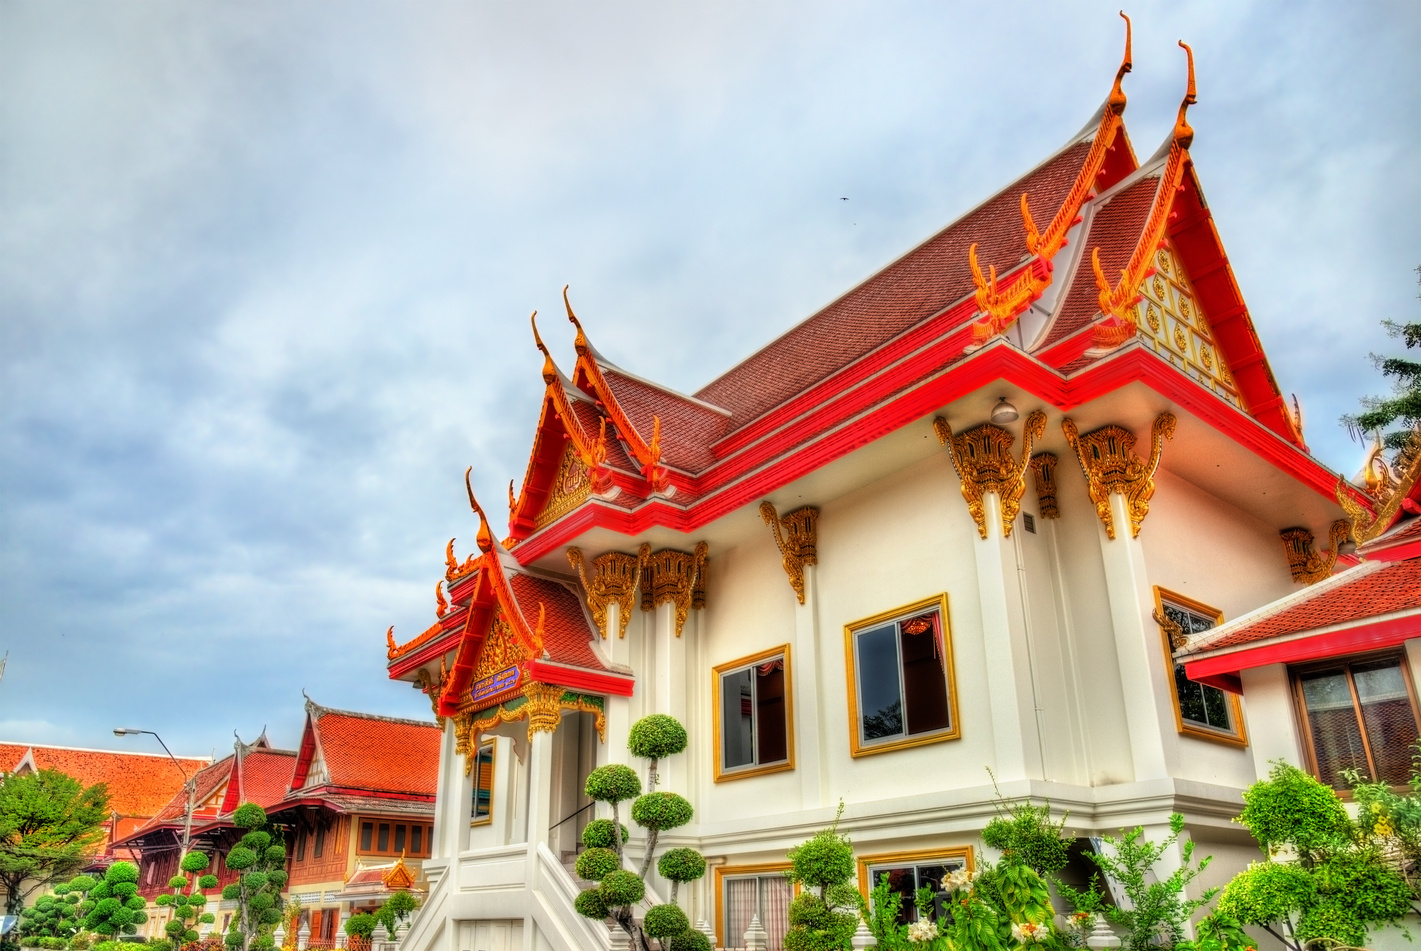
190	783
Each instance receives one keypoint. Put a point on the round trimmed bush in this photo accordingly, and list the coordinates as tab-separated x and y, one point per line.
689	941
1292	808
231	892
256	840
125	890
249	816
194	862
207	881
136	903
232	939
589	904
825	859
121	872
254	881
661	811
655	736
1266	892
261	901
163	900
664	921
206	918
622	888
360	926
178	881
681	865
101	890
240	858
277	877
107	907
598	834
197	900
174	927
275	854
270	917
82	883
595	864
613	783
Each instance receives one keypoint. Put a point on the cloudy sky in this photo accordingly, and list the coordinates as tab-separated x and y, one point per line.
265	272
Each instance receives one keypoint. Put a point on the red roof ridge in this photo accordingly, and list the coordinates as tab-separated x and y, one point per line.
1200	643
317	711
206	760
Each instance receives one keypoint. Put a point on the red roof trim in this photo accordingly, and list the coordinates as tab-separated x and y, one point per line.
1223	670
579	678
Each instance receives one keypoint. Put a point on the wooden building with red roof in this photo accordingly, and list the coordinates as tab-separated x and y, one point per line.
945	525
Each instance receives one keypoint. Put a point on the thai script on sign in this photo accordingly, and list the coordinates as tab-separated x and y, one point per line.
495	684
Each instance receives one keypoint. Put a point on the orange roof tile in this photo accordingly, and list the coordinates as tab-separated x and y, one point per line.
139	783
382	754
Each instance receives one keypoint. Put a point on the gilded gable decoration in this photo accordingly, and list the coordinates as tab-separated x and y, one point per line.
674	577
1043	473
454	571
614	581
1110	465
541	705
1386	486
797	539
544	708
1309	566
441	603
1170	323
571	486
984	463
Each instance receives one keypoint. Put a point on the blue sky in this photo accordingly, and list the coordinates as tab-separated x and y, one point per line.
265	272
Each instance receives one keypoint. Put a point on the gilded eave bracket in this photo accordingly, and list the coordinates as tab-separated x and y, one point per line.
984	463
614	581
1110	465
1307	565
1043	473
674	577
796	536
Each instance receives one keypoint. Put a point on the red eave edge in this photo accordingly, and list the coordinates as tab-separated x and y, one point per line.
1223	671
580	678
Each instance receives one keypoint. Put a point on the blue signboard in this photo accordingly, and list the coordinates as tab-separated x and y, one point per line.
494	684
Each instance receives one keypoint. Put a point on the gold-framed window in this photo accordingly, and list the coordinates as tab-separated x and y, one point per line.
902	688
745	890
754	715
1358	713
906	872
481	799
1200	710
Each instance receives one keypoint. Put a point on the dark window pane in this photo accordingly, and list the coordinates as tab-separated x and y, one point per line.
770	714
483	784
880	704
300	846
417	840
1216	707
383	843
1332	719
924	676
737	719
1388	718
399	838
902	882
1191	697
366	830
320	840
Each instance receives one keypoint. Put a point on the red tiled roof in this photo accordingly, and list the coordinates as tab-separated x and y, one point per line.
566	633
364	751
688	429
1368	590
209	780
139	783
590	421
266	774
913	288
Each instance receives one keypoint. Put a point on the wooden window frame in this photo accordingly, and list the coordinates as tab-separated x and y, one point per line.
1300	712
954	728
744	772
1238	736
919	857
492	747
392	823
722	872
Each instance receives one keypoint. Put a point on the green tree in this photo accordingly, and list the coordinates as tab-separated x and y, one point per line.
50	824
188	899
1403	406
651	738
118	908
259	859
824	914
396	911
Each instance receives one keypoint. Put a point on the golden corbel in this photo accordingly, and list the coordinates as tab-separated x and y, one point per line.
614	581
1307	565
796	538
1172	629
432	687
674	577
1043	473
984	463
1110	465
544	708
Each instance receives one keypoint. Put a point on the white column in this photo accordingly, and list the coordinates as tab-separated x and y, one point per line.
669	661
1141	658
1016	740
809	727
540	779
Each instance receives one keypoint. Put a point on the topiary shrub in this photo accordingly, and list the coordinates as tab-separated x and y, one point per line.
665	921
596	864
118	910
660	811
1291	808
622	888
681	865
598	834
613	783
688	941
589	904
821	866
657	736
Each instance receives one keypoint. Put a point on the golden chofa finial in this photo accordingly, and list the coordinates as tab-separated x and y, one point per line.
581	342
1183	133
485	538
550	369
1117	93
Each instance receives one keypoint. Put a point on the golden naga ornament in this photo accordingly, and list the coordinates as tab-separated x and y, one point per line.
432	686
1306	565
796	538
614	580
1110	465
1043	472
674	577
1172	629
454	571
441	603
1387	486
984	463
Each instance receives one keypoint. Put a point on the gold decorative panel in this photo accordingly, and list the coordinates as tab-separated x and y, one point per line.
676	577
796	538
1110	465
614	580
571	487
1171	324
1307	565
1043	470
984	463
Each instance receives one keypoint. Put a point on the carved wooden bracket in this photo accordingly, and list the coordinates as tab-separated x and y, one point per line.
675	577
796	537
1043	472
1110	465
984	463
614	580
1309	566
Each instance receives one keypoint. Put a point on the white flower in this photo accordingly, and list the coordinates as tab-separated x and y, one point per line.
1027	932
957	878
922	930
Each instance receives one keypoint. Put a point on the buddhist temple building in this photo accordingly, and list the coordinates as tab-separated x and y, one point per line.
938	542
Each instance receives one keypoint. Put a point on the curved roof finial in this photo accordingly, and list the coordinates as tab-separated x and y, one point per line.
581	342
550	369
485	538
1117	93
1183	132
